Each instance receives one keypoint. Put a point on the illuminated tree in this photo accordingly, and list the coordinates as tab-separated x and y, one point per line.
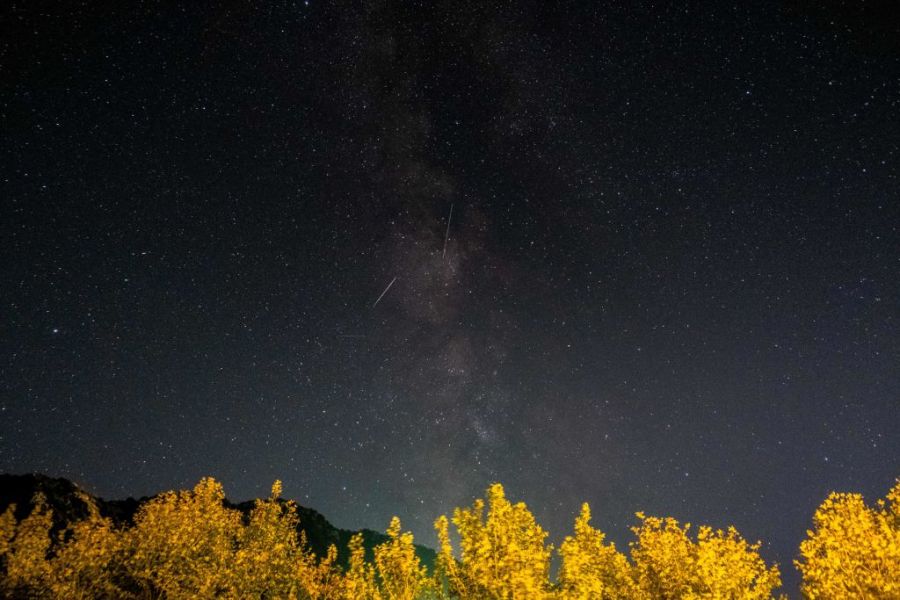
503	557
448	570
319	579
400	573
183	543
88	559
27	567
590	569
7	532
729	567
190	545
662	558
268	550
359	580
721	564
853	550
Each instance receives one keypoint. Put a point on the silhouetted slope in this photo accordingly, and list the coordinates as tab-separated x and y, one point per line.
66	500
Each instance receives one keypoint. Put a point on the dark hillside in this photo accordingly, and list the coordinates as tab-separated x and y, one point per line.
69	503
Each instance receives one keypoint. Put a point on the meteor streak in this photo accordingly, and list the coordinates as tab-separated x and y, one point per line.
384	292
447	235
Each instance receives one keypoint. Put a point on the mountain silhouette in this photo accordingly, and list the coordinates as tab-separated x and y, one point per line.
69	504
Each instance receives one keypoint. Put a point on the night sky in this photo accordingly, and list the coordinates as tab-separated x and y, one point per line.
639	254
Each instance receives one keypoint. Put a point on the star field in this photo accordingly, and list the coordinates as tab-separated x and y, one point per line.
638	255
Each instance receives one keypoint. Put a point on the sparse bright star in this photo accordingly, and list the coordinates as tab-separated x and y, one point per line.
638	259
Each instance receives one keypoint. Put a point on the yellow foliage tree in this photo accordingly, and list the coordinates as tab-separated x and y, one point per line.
319	579
183	543
7	531
400	572
191	545
590	569
268	550
359	580
721	564
448	571
853	550
503	557
88	559
662	558
729	567
27	567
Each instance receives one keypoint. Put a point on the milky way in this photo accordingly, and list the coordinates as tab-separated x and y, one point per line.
639	256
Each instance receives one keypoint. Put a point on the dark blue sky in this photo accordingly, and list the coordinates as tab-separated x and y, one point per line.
669	283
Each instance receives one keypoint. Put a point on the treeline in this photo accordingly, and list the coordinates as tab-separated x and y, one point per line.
189	544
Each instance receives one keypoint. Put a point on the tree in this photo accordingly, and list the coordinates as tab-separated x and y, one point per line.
359	579
400	572
189	544
268	550
88	559
503	557
7	533
729	567
662	558
721	564
27	568
853	550
319	579
590	569
183	544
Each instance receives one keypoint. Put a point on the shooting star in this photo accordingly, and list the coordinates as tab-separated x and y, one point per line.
447	235
384	292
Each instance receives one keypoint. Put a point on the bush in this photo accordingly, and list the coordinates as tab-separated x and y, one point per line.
189	544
